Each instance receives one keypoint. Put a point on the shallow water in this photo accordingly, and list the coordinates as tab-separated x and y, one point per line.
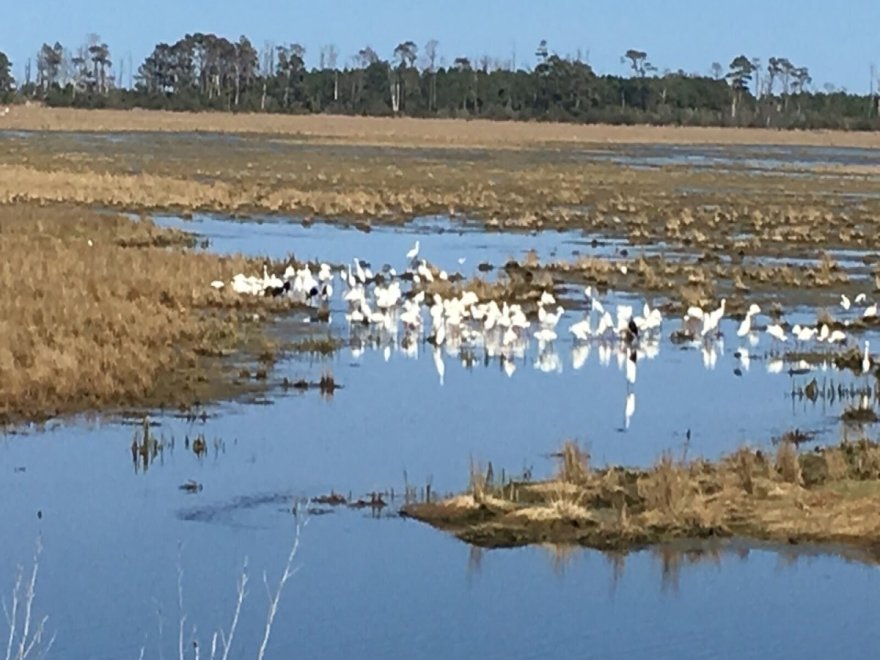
115	534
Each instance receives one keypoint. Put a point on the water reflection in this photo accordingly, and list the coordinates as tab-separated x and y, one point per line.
673	560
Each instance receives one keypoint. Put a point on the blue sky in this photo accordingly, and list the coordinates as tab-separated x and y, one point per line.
838	45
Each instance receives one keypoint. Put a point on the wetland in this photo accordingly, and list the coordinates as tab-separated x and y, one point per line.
161	430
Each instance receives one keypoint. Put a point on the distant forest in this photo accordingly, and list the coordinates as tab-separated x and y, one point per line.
208	72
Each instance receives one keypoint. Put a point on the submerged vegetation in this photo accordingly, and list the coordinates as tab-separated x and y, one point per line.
828	495
100	311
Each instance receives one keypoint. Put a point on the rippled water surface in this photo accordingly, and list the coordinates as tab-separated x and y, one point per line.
118	537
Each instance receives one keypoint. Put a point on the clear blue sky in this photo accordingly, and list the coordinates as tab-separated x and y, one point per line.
837	41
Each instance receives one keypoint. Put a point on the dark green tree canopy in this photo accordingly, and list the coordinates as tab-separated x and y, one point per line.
205	71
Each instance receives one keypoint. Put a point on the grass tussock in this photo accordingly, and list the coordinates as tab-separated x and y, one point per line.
788	466
101	311
830	494
315	345
574	463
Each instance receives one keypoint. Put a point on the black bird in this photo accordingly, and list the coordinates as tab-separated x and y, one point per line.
632	332
276	291
633	328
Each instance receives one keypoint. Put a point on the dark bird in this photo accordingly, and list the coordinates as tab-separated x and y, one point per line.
276	291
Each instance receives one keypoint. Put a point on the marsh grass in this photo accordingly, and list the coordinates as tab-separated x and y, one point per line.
87	321
788	466
744	463
315	345
574	463
666	486
745	494
410	131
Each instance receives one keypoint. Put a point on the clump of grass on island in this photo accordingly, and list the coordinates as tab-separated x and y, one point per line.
828	495
315	345
98	311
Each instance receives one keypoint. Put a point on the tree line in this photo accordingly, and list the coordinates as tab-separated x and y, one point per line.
209	72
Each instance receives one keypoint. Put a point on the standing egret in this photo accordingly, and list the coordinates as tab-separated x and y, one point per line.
844	302
746	326
414	252
777	332
870	312
837	337
581	330
860	299
866	360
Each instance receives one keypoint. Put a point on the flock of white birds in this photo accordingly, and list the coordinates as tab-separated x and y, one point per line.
391	311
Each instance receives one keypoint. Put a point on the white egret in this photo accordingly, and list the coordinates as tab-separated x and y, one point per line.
414	252
777	332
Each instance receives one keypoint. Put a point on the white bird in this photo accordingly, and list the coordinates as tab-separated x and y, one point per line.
581	330
777	332
713	318
414	252
803	335
547	298
549	319
605	324
844	301
359	271
837	337
746	326
870	312
860	299
866	360
823	333
218	284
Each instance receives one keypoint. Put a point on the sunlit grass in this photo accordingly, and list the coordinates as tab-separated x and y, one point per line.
87	321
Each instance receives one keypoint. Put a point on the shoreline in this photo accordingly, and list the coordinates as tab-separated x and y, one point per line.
827	496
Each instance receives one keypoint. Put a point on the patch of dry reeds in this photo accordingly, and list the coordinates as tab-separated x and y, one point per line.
88	322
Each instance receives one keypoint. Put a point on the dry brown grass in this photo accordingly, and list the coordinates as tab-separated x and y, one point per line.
332	168
574	463
788	465
830	495
97	311
377	130
666	486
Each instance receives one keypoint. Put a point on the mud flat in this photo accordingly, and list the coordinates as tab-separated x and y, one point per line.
826	496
